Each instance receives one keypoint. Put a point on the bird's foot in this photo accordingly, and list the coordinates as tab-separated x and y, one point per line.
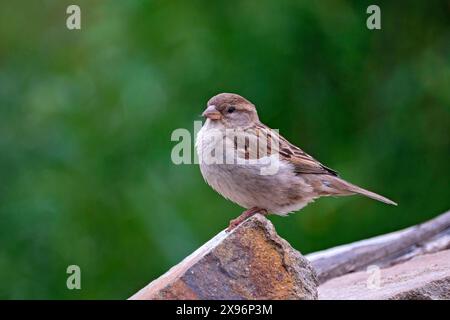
244	216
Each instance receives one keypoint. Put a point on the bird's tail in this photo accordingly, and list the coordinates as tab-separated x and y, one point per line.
352	189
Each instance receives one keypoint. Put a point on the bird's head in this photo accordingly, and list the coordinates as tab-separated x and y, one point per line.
231	110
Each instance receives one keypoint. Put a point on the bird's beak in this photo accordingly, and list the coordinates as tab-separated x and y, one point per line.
212	113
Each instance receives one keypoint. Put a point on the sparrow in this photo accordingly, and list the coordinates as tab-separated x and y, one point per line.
234	147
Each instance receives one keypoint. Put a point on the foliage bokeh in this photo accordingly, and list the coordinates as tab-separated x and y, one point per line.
86	118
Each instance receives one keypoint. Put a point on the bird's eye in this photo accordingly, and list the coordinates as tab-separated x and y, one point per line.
231	109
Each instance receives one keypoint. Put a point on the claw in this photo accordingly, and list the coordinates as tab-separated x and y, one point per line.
244	216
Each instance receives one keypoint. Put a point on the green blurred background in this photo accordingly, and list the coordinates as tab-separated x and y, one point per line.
86	118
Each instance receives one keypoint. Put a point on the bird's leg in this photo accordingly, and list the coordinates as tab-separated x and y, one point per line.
245	215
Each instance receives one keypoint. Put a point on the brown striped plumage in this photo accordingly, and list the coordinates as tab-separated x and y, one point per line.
299	180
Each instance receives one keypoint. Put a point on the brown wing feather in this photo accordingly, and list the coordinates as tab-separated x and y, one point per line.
302	161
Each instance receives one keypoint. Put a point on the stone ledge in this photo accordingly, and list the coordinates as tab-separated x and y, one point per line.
423	277
251	262
384	250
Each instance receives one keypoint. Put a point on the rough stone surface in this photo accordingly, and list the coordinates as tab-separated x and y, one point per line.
423	277
251	262
384	250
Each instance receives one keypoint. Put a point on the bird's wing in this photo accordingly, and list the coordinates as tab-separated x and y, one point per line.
260	141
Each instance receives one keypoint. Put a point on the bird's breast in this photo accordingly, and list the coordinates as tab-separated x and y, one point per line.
268	182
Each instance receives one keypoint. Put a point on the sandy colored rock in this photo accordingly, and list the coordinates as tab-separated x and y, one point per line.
423	277
384	250
251	262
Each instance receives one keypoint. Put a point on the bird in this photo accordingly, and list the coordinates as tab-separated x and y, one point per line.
255	167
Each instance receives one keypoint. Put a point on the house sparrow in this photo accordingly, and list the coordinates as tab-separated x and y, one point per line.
234	148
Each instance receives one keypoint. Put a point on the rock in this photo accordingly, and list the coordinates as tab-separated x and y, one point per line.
423	277
251	262
384	250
